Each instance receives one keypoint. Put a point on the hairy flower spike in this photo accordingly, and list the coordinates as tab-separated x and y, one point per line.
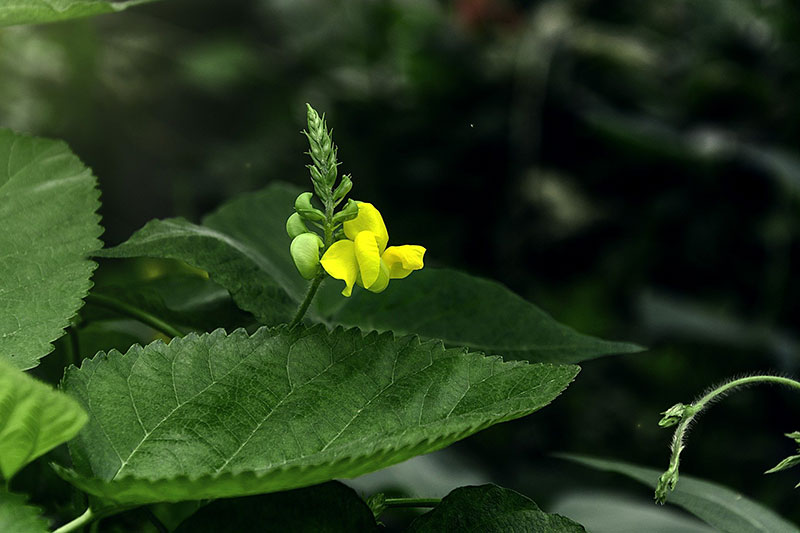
323	155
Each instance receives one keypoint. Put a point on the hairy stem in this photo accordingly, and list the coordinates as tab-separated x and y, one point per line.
134	312
312	290
77	523
412	502
685	414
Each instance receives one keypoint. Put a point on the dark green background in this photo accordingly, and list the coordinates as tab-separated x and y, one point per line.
631	167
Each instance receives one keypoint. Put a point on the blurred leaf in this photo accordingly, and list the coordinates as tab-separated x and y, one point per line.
611	513
14	12
244	247
216	415
33	419
665	316
16	516
716	505
491	509
48	201
328	508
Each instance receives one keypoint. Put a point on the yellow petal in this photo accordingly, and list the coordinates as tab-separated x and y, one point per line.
383	279
402	260
368	257
368	219
340	262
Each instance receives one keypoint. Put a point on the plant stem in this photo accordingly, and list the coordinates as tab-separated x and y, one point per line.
312	290
134	312
669	479
412	502
77	523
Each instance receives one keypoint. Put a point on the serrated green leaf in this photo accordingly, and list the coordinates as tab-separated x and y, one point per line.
49	226
16	516
328	508
718	506
491	509
14	12
221	415
244	247
33	419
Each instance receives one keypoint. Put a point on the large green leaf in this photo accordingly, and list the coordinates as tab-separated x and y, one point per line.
16	516
328	508
49	226
244	247
33	419
220	415
719	506
491	509
36	11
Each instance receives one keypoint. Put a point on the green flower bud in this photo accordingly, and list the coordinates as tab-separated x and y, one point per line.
349	212
303	206
344	187
305	254
295	225
673	415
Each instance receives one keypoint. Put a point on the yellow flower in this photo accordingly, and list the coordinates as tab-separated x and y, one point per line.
363	257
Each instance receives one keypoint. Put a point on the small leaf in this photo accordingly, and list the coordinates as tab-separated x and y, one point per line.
37	11
718	506
220	415
789	462
244	247
331	507
33	419
49	226
490	509
17	516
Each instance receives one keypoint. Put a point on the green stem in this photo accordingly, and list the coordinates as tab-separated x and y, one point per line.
412	502
669	479
134	312
312	290
73	348
77	523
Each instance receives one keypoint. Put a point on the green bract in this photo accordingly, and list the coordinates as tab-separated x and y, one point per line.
219	415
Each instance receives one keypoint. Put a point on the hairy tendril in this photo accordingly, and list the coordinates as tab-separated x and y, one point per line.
683	415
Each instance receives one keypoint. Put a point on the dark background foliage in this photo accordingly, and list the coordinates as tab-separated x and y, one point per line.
631	167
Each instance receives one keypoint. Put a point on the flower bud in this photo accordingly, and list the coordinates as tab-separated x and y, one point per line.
303	206
344	187
295	225
305	254
673	415
349	212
